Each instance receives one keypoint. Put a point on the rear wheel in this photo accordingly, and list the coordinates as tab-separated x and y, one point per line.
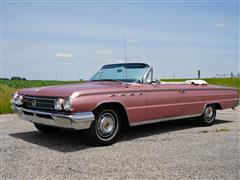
208	116
46	129
105	129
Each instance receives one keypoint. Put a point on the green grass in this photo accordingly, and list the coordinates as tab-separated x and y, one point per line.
222	129
5	95
17	84
231	82
8	87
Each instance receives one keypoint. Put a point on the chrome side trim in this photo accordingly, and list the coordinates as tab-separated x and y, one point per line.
145	90
173	118
77	121
164	119
169	118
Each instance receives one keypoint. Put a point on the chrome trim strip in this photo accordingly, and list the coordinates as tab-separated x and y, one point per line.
164	119
184	103
170	118
34	97
160	89
77	121
173	118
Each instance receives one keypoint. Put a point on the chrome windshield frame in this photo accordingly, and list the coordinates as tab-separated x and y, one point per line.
147	73
143	79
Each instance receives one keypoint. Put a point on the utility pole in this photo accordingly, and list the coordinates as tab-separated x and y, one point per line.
199	74
173	73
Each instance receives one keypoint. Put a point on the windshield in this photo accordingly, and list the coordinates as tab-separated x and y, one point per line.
132	72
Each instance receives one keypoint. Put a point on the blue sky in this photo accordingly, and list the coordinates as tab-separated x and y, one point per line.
68	40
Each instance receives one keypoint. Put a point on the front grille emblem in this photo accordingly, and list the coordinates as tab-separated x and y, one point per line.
34	103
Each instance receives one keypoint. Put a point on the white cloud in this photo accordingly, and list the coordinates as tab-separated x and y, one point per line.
104	52
64	55
133	41
220	25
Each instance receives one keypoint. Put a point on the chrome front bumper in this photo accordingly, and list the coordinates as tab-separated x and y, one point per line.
77	121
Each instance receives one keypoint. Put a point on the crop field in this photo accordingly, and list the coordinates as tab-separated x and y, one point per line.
231	82
8	87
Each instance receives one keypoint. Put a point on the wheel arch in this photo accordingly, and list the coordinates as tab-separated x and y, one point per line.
218	106
117	105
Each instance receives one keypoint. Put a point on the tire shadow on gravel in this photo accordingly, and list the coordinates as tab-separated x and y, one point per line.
141	131
63	141
71	140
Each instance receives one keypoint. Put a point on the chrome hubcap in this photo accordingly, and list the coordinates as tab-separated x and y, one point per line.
209	113
106	124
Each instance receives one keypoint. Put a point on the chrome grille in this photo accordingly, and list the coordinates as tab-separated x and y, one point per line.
39	102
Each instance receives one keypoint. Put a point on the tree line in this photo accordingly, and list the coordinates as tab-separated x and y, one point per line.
14	78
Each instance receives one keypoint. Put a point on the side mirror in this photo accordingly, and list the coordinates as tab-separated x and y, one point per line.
157	82
148	81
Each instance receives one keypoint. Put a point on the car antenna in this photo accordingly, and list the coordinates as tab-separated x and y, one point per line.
125	48
125	52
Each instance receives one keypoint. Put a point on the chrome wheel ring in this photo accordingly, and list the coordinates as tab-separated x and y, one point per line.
107	125
209	113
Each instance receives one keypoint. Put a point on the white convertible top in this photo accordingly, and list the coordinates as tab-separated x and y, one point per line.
193	81
199	82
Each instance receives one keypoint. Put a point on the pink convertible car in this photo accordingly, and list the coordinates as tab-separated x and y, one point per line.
118	94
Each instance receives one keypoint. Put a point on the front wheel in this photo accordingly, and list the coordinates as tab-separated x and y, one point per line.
208	116
105	129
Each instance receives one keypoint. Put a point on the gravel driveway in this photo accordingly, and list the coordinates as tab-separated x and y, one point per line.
168	150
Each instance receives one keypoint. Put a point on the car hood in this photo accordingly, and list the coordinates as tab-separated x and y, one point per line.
69	89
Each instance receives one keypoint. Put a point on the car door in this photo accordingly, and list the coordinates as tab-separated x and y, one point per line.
164	101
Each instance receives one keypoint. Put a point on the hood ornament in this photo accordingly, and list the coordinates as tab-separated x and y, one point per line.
34	103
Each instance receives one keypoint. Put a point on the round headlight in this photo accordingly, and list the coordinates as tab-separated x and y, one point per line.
13	100
58	104
68	105
19	100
